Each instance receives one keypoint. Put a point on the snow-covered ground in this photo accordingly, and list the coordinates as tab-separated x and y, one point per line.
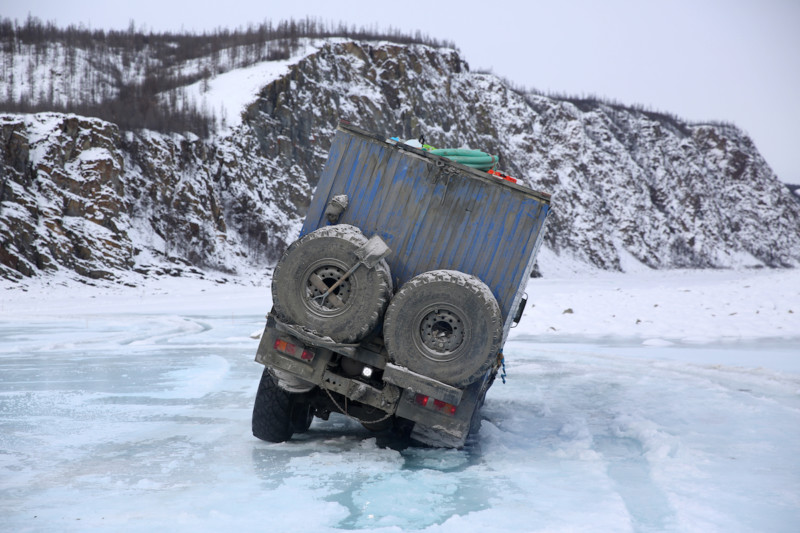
648	401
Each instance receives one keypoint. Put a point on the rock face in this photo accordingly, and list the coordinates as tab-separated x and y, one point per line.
76	194
79	196
63	197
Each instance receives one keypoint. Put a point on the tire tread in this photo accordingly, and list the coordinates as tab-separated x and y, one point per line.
471	284
271	411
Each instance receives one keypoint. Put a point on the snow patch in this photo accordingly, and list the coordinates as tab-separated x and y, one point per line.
663	307
227	94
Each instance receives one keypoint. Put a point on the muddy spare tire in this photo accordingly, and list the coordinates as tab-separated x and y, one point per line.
444	324
318	261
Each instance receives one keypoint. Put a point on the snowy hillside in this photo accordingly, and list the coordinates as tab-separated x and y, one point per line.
59	74
630	188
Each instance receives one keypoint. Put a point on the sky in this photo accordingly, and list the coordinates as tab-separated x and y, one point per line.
735	61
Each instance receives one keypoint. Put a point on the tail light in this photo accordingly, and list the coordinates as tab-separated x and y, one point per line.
437	405
446	408
292	349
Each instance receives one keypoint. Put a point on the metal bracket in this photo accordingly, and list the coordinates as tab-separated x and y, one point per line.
314	339
335	208
520	309
406	379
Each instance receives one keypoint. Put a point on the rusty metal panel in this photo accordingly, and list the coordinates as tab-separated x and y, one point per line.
433	213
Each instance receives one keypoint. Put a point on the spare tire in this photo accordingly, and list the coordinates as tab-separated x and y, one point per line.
444	324
317	261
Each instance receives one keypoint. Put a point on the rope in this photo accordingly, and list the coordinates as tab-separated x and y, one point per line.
502	359
348	415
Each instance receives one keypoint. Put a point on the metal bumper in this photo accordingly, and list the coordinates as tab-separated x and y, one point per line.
295	373
398	396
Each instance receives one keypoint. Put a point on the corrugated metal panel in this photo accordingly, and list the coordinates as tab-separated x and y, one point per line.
434	214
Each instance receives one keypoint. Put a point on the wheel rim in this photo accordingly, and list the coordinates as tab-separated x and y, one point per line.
329	273
441	333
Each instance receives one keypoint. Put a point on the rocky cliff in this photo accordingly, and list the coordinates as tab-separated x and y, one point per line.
78	195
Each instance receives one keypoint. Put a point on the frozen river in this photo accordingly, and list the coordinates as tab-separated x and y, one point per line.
130	411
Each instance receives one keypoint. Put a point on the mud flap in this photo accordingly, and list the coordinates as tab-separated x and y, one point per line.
440	430
438	436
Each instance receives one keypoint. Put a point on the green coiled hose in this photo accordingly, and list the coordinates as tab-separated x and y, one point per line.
471	158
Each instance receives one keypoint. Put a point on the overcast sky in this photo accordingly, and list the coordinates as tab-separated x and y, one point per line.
736	61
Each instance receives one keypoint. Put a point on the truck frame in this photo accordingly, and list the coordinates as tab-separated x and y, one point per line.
393	305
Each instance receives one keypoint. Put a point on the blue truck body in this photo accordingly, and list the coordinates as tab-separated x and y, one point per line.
434	215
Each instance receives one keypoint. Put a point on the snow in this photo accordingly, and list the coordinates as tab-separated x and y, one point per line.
680	306
228	94
127	408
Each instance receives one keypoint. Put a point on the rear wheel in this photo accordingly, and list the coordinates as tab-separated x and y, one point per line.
278	414
444	324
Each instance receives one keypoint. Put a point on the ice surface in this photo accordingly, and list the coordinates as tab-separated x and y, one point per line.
128	409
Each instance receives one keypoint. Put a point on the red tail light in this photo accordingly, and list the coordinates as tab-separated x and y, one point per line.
285	347
446	408
438	405
290	349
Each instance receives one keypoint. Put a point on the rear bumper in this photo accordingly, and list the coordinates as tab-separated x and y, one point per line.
299	373
310	365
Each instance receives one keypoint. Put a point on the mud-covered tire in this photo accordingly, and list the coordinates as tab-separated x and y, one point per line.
302	416
278	414
444	324
325	255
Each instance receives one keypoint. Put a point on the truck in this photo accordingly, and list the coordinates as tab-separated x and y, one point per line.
393	305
